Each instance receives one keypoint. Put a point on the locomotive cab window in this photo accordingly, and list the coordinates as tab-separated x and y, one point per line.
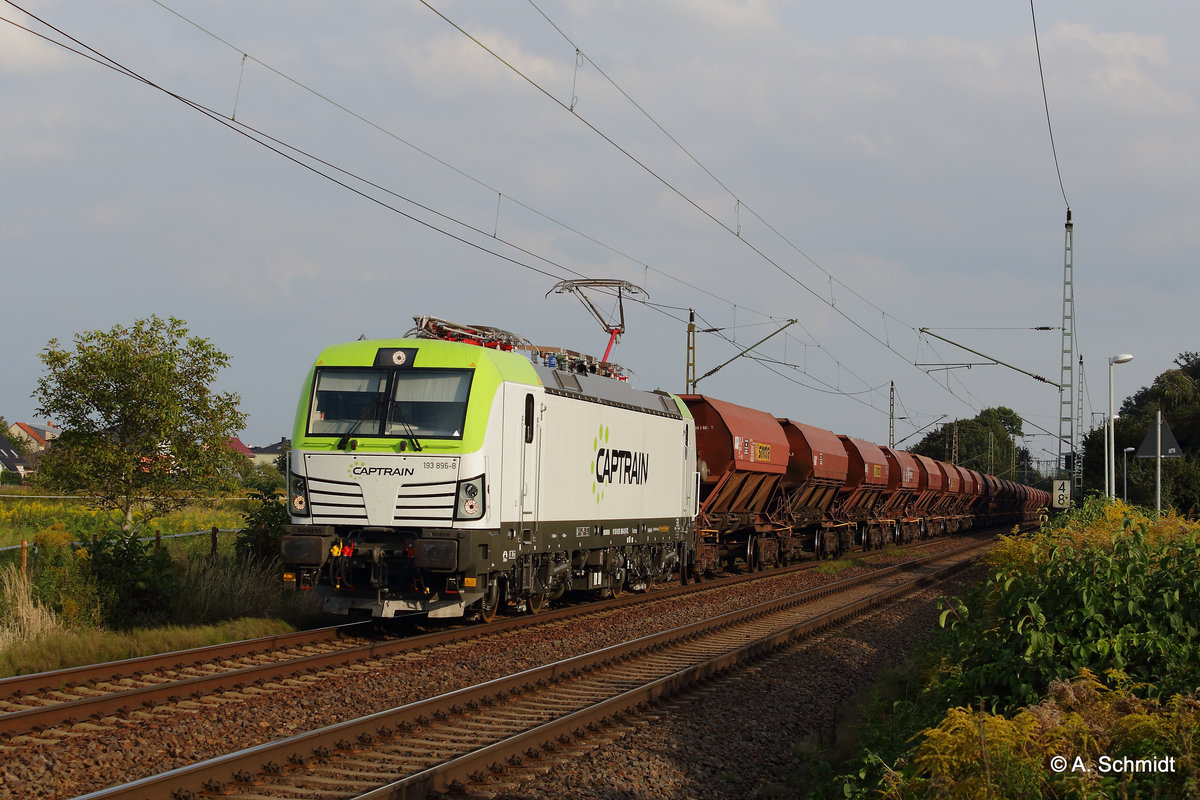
347	399
427	403
432	403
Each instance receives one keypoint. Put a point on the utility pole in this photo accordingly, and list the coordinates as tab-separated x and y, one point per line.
690	378
1077	459
892	417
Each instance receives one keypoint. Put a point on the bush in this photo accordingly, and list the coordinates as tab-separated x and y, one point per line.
61	578
258	540
1094	595
136	583
1079	643
971	754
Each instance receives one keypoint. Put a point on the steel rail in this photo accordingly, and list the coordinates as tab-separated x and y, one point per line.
227	773
96	706
53	680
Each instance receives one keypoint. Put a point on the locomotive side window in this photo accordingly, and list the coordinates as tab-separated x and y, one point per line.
432	403
345	399
528	419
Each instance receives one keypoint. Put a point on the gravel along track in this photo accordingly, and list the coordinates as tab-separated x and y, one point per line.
736	735
67	761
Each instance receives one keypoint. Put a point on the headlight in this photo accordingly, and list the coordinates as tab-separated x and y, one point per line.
470	499
298	496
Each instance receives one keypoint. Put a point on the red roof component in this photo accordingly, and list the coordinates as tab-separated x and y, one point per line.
236	445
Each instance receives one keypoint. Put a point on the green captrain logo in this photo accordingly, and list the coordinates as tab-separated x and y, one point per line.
612	466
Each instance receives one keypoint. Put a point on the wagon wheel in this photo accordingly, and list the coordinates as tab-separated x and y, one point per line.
489	605
535	603
616	584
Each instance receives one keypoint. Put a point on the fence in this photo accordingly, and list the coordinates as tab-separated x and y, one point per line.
26	546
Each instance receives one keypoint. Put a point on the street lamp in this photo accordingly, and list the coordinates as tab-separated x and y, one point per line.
1111	486
1125	471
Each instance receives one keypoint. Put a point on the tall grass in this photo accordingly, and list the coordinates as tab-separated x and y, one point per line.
23	516
229	587
22	619
218	600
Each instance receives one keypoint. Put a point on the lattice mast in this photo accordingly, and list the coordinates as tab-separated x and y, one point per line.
1066	383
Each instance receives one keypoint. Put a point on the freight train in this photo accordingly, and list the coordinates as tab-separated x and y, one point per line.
461	470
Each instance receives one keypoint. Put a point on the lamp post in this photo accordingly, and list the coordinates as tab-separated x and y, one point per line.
1125	471
1111	488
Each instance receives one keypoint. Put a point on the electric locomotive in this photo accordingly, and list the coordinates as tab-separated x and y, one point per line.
448	473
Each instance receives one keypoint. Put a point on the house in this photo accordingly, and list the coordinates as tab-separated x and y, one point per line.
235	444
269	453
11	460
36	437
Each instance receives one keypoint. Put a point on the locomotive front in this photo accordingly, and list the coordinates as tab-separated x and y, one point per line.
388	486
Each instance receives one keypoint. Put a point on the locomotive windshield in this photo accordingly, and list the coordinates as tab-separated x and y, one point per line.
429	403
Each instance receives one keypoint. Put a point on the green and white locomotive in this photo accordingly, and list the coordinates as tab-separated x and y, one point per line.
447	473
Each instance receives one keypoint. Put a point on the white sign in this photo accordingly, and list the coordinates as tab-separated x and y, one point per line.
1062	494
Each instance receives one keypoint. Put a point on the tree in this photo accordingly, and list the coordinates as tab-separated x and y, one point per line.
1175	392
986	443
141	427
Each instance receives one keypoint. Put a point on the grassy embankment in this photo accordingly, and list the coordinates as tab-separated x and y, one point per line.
78	605
1079	645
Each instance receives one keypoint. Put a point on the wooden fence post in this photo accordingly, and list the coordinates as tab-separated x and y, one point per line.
213	553
24	556
157	541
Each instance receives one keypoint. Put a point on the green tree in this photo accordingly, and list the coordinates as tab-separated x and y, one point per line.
986	443
142	428
1176	392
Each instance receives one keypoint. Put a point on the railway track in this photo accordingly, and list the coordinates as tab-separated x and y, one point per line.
474	732
33	703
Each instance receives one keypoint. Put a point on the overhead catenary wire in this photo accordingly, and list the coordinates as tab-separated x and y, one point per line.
830	302
675	190
299	156
500	194
1046	104
580	55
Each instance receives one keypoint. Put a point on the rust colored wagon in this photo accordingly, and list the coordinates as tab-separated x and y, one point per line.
897	509
742	457
866	482
817	469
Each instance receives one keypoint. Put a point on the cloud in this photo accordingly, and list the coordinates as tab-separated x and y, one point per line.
24	54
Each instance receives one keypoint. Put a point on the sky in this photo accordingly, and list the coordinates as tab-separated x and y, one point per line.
866	168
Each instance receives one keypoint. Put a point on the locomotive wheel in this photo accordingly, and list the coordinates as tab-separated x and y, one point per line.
489	606
535	603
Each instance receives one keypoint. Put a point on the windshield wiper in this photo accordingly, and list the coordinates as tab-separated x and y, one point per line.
407	428
367	411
